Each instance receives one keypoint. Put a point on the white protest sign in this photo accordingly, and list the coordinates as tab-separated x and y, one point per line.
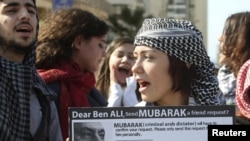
173	123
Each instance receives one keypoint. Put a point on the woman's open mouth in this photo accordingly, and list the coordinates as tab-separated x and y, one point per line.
143	85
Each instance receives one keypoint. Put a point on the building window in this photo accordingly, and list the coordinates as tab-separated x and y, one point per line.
180	2
181	11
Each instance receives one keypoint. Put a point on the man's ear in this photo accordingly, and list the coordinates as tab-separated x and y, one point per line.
77	42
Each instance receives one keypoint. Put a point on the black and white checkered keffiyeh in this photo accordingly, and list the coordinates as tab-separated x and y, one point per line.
181	39
17	82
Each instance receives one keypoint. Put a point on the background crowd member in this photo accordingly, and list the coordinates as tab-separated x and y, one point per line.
172	66
26	104
243	94
69	52
115	78
234	51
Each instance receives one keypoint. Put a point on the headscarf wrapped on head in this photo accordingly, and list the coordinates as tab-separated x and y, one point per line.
182	40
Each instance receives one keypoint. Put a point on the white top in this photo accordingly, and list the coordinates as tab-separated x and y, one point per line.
123	97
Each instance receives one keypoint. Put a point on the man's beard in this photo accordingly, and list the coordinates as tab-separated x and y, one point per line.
14	46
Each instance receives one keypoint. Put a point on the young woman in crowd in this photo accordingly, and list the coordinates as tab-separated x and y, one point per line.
114	78
172	66
69	52
234	52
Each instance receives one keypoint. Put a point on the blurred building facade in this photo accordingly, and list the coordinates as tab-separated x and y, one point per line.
193	10
101	8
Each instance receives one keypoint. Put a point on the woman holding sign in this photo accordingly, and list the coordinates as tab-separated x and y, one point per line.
172	66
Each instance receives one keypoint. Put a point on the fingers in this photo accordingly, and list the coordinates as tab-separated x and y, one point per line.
113	75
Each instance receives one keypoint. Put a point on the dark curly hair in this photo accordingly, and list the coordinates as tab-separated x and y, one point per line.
58	32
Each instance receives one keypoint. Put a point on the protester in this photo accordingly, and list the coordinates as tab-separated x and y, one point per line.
89	131
71	45
26	104
114	78
234	51
243	95
172	66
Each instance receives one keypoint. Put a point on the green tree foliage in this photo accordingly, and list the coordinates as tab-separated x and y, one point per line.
128	22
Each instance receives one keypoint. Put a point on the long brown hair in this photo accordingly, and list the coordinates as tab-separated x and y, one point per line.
236	37
103	75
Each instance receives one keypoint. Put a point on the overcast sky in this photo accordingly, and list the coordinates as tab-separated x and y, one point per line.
218	11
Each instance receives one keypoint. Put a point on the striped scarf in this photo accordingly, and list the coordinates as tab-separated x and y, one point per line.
242	90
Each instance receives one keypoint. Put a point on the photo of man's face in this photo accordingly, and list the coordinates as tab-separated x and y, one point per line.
89	131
